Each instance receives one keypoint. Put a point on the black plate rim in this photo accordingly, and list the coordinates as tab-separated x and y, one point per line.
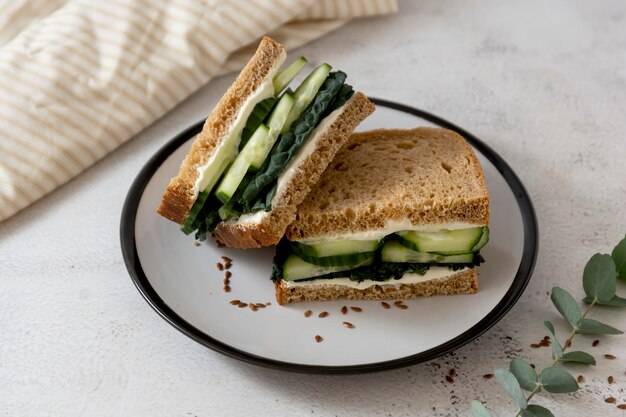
520	282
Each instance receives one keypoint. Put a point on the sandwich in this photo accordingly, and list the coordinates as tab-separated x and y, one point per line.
261	149
397	214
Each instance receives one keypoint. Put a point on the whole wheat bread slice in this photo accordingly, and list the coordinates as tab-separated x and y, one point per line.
426	175
463	282
181	192
267	229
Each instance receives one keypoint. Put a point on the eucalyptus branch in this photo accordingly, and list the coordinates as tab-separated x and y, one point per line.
599	283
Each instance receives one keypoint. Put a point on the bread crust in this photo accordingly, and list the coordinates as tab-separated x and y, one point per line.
270	229
463	282
423	175
181	193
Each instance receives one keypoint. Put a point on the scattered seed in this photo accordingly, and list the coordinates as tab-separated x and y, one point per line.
595	343
403	306
308	313
348	325
226	288
609	356
610	379
242	305
219	266
535	345
532	365
449	379
226	259
318	338
488	376
356	309
385	305
259	305
568	343
344	310
546	338
196	243
268	304
323	314
622	406
227	264
580	379
452	372
233	302
397	303
228	274
610	400
220	244
253	307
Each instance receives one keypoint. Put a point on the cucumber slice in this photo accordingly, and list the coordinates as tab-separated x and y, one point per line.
396	252
484	238
295	268
351	260
306	92
258	115
190	224
283	79
444	242
275	123
238	169
335	247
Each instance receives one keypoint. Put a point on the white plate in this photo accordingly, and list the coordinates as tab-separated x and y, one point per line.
181	282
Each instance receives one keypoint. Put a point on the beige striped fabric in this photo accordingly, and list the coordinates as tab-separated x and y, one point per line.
80	77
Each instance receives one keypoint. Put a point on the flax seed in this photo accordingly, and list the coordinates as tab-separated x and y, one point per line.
253	307
622	406
449	379
568	343
403	306
228	274
259	305
356	309
610	379
595	343
226	259
318	338
385	305
219	266
488	376
242	305
609	356
397	303
196	243
233	302
226	288
580	379
227	265
268	304
610	400
344	310
348	325
323	314
532	365
308	313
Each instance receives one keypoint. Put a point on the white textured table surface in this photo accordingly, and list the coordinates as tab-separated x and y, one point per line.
544	83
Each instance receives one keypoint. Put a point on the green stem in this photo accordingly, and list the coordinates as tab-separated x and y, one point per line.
568	343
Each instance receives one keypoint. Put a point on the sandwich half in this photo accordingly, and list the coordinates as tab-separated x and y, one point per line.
397	214
261	149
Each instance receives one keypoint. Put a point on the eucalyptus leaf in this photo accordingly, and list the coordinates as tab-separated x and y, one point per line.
524	373
579	357
591	326
599	277
567	306
535	410
511	386
557	349
557	381
479	409
613	302
619	256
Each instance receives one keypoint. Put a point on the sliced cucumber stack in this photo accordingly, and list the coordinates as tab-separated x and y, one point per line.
295	268
306	92
444	242
256	150
351	259
283	79
190	224
396	252
335	247
258	116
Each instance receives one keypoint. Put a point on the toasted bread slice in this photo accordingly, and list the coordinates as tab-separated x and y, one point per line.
425	176
463	282
181	193
267	228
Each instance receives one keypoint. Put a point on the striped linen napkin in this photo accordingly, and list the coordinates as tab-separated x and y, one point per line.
80	77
